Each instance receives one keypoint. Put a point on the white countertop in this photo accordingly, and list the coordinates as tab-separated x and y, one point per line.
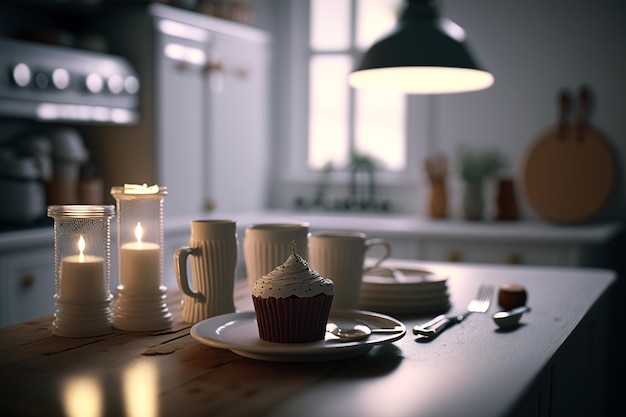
394	225
389	225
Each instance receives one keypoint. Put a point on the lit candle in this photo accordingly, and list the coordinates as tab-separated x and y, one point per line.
140	266
82	277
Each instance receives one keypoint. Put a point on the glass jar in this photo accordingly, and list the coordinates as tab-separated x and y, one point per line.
140	295
82	254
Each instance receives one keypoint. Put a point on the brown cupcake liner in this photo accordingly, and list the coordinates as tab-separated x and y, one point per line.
292	319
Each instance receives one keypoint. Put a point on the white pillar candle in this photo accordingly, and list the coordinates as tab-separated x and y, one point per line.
140	265
82	278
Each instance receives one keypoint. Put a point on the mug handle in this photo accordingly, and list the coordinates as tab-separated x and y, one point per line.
180	265
378	242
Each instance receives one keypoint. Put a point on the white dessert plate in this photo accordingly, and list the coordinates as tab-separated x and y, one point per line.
406	296
406	309
238	332
398	290
382	301
406	278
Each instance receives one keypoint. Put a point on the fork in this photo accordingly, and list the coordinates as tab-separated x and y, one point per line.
479	304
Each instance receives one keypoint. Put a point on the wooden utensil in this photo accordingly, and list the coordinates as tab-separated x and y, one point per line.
569	172
437	169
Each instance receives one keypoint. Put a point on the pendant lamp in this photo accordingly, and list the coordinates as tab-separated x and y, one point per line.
423	54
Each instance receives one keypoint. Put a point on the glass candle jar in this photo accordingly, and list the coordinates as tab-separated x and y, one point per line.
82	242
140	296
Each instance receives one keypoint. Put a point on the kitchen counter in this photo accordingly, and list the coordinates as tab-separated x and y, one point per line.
403	225
27	256
456	240
553	364
375	224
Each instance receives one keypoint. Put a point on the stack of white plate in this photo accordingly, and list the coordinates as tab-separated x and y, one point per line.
404	291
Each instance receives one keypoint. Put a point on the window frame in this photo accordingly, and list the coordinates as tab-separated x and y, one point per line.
294	142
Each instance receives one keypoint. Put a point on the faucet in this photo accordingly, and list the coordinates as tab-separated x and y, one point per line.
361	197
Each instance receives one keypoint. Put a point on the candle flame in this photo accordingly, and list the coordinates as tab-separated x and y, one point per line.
81	249
138	233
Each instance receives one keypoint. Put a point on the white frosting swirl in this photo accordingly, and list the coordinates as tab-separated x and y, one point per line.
294	277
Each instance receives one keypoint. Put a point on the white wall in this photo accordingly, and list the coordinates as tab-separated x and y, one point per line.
534	48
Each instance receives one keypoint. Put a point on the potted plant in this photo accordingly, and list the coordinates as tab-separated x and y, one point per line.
475	167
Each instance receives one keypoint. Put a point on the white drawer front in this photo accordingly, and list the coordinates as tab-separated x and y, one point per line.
28	286
493	253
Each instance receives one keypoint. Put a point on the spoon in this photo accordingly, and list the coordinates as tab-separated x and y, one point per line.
511	318
358	332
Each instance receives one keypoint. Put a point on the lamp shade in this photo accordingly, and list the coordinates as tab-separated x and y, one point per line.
423	54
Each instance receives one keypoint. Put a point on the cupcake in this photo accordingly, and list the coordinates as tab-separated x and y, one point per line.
292	302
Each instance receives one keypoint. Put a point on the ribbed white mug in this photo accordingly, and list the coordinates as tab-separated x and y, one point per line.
212	254
268	245
340	256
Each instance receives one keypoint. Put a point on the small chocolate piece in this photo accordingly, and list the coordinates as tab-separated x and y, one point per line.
511	296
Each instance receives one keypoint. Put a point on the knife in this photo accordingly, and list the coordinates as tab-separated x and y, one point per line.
479	304
432	328
425	328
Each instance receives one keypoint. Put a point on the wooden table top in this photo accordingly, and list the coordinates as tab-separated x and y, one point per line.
470	369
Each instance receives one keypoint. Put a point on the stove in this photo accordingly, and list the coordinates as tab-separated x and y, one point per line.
55	83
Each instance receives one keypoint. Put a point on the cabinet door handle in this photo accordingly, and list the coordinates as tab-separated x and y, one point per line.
213	66
514	258
241	72
215	71
27	280
453	256
219	67
209	204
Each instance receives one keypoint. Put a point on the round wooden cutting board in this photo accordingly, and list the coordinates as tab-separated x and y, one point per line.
569	172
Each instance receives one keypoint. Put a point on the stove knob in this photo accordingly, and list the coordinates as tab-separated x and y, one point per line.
131	84
21	75
60	78
115	84
41	80
94	83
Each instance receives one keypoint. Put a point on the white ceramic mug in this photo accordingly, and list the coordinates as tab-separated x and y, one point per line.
268	245
212	254
340	256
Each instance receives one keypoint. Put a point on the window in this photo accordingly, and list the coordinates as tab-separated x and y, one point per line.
327	121
342	121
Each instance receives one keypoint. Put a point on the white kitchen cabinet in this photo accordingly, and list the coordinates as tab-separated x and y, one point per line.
180	110
515	243
204	110
518	243
237	124
500	253
27	284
